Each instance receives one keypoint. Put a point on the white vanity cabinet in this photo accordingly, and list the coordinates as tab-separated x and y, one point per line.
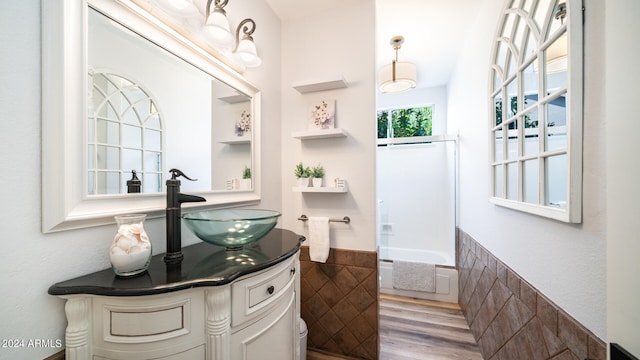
263	316
249	318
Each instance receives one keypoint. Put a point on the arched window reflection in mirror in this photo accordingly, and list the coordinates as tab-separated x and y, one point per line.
124	135
535	99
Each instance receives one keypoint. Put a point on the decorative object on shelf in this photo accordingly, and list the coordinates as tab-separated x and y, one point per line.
243	125
209	19
130	251
399	76
339	183
303	174
317	173
245	183
323	115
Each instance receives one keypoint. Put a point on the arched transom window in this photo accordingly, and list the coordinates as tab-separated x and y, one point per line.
536	108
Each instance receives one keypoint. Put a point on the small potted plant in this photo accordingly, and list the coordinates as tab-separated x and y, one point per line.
317	173
302	173
246	177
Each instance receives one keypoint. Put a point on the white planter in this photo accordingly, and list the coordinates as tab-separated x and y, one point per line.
303	182
317	182
245	184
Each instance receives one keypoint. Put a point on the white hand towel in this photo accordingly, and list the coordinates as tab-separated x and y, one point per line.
319	242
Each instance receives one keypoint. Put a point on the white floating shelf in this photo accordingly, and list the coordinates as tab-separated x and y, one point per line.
234	99
319	134
235	140
304	87
324	189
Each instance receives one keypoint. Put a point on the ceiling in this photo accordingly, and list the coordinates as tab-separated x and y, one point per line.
433	30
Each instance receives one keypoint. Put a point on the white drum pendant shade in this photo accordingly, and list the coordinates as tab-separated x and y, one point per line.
405	77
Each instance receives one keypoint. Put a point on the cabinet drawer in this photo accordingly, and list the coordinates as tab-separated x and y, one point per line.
148	323
148	327
254	295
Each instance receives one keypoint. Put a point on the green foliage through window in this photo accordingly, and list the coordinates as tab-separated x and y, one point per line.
405	122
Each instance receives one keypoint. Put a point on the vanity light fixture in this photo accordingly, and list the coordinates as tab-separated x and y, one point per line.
216	27
216	24
398	76
245	50
179	8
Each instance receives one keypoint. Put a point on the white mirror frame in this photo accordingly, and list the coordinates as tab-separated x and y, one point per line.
572	213
65	202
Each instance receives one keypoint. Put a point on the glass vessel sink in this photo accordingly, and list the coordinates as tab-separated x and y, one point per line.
231	228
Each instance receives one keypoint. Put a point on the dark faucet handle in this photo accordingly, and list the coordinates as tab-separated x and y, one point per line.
175	173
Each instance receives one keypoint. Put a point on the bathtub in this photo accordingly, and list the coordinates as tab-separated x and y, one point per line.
446	273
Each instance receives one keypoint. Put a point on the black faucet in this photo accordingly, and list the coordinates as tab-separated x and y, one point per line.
174	199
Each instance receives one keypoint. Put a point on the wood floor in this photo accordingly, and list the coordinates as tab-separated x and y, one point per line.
424	330
414	329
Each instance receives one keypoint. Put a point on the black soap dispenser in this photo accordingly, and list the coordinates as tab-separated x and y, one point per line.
134	185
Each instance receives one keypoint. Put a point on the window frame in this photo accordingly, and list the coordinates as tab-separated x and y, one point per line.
390	119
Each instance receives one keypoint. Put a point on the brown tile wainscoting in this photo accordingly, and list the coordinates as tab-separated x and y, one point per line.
339	302
509	318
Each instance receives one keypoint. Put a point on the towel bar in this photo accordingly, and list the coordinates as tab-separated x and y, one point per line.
345	219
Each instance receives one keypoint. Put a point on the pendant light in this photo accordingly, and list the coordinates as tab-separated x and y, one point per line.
398	76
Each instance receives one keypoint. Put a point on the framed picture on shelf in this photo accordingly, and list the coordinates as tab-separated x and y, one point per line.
243	125
322	115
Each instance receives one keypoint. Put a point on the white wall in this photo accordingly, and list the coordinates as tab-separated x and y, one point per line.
565	262
31	261
435	96
623	194
328	44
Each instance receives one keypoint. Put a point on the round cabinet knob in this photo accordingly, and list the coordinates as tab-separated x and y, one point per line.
271	289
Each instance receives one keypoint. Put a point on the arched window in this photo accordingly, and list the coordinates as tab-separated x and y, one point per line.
536	109
124	134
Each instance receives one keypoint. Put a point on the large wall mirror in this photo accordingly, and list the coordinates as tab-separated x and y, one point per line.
535	129
124	93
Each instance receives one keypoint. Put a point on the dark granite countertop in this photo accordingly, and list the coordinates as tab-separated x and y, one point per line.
203	265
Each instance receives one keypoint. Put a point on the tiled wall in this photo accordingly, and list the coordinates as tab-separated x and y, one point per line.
512	320
340	302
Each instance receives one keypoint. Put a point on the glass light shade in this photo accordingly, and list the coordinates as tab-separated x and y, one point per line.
217	29
180	8
405	77
556	55
247	53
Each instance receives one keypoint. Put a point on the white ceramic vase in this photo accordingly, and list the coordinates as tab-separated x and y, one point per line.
303	182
